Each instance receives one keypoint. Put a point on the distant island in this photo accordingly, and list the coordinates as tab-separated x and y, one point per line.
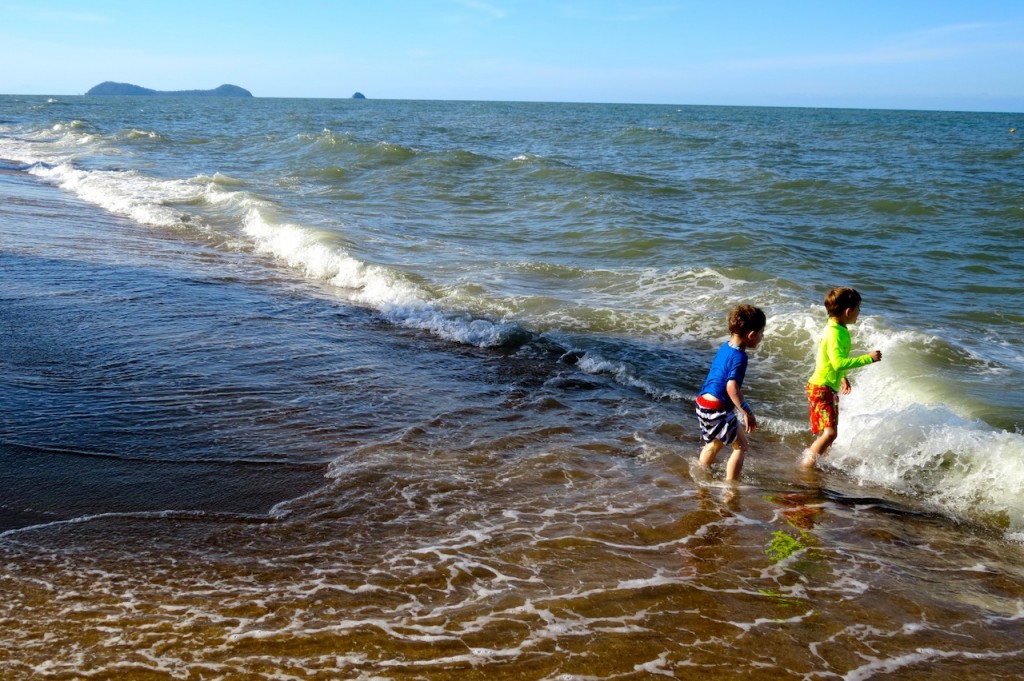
359	95
111	88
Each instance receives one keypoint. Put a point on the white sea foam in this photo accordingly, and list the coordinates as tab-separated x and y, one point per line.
875	666
151	201
623	372
896	431
390	291
903	427
123	193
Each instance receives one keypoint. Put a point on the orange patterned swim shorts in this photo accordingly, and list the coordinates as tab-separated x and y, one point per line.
824	407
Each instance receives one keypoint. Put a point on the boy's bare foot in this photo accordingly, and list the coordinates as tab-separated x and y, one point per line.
808	459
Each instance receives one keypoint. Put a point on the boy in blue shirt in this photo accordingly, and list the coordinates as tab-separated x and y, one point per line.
721	397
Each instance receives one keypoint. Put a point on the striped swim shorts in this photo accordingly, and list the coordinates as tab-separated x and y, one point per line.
824	407
717	420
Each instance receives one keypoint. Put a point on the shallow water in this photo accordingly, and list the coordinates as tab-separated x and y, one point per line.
411	398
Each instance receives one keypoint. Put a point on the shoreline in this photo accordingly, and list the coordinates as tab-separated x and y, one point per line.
46	481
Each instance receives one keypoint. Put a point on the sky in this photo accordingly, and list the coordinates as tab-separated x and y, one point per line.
965	55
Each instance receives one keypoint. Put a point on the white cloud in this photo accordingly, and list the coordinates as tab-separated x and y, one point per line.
927	45
944	32
486	8
42	14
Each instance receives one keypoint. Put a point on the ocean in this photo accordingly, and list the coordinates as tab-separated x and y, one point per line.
357	389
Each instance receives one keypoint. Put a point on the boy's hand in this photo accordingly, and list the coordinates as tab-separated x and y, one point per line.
749	421
844	385
876	355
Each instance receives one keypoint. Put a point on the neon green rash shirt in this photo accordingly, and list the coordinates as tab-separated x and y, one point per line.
833	357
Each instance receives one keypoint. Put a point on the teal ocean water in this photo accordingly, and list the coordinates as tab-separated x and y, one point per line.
393	389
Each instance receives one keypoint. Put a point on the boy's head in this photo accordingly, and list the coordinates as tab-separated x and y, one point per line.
840	299
745	320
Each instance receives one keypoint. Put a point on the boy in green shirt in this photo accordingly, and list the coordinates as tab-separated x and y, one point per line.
831	364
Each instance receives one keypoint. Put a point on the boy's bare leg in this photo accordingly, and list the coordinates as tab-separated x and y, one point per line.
819	447
710	451
735	464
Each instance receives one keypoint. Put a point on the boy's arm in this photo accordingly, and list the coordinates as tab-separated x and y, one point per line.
839	359
736	395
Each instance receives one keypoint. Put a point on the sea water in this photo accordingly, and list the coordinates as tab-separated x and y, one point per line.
391	389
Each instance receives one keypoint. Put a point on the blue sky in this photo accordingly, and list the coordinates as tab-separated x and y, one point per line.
953	55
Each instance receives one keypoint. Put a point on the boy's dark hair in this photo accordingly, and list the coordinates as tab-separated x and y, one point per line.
746	318
841	298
